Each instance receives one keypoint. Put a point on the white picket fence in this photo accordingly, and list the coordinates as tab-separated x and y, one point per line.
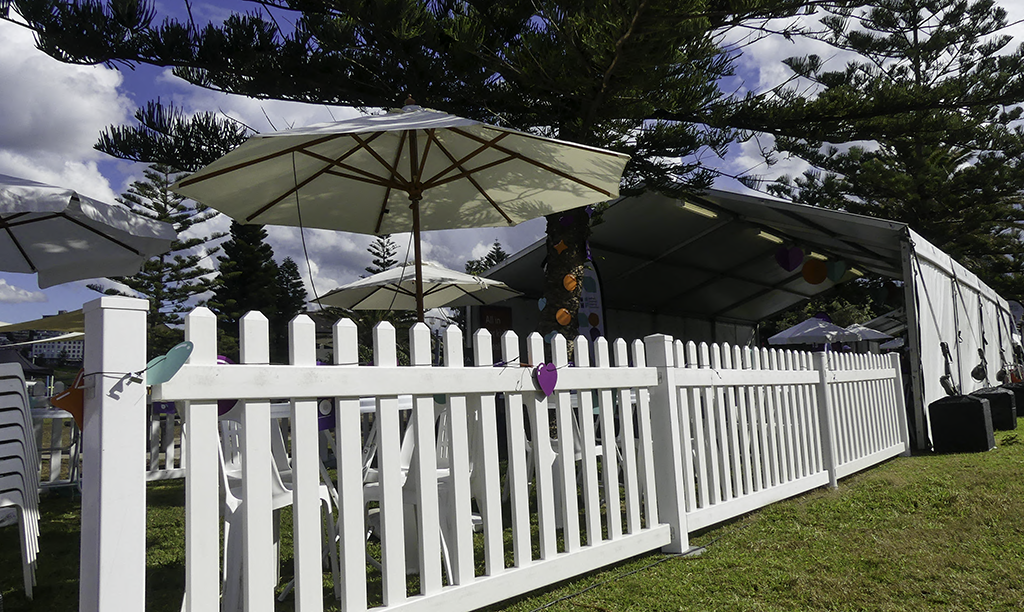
638	446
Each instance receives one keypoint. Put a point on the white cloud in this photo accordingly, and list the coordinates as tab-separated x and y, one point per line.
9	294
51	114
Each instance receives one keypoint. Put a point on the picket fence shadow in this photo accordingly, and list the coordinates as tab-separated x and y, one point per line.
637	446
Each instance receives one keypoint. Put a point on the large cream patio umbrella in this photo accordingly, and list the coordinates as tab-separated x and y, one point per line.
813	331
64	236
410	170
395	289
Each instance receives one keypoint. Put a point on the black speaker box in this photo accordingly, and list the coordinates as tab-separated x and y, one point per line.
961	424
1003	404
1018	394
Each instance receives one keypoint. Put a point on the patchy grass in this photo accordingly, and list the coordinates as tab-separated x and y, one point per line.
930	532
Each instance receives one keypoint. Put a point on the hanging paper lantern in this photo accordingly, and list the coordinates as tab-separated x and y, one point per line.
569	282
560	246
836	270
789	258
563	317
815	271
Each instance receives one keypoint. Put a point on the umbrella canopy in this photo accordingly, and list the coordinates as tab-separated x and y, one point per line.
395	289
64	236
813	331
866	333
411	170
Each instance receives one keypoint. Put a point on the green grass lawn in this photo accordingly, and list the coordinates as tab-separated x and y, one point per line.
930	532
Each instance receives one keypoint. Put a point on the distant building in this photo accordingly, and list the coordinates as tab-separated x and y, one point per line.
69	350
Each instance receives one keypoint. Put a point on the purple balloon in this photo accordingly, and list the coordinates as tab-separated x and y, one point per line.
789	258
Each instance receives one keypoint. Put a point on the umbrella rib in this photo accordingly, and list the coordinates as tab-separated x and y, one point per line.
196	179
393	168
459	163
469	175
305	182
387	188
536	163
102	235
17	244
367	177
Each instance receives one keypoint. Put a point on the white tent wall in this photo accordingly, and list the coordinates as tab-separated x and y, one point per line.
955	307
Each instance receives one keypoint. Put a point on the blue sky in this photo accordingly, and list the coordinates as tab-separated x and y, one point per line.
51	114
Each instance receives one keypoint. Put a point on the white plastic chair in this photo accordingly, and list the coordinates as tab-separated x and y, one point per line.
282	497
19	468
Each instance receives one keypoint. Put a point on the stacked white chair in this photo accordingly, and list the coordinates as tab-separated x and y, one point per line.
19	466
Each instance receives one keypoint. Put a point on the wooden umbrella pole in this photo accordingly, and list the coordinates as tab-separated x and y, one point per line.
415	206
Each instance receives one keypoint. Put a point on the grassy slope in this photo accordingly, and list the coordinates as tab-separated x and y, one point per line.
923	533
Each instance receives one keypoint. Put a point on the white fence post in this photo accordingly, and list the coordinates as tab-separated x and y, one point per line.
825	418
665	428
113	545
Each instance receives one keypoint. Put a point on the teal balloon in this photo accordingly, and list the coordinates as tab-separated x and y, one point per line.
836	270
583	318
589	284
440	398
163	368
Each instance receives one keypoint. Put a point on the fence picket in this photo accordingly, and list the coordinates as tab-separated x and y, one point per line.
259	571
426	475
567	506
306	519
391	478
698	414
351	512
631	484
543	457
460	518
517	459
645	460
202	484
610	463
486	477
589	450
744	432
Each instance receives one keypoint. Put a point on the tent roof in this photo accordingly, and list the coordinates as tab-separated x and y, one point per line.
30	369
657	255
73	321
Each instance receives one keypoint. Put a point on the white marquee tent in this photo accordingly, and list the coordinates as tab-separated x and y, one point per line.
705	269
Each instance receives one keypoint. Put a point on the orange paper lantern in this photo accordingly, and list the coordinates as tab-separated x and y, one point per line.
569	282
563	317
815	271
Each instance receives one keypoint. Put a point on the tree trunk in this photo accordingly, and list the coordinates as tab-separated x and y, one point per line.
567	252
